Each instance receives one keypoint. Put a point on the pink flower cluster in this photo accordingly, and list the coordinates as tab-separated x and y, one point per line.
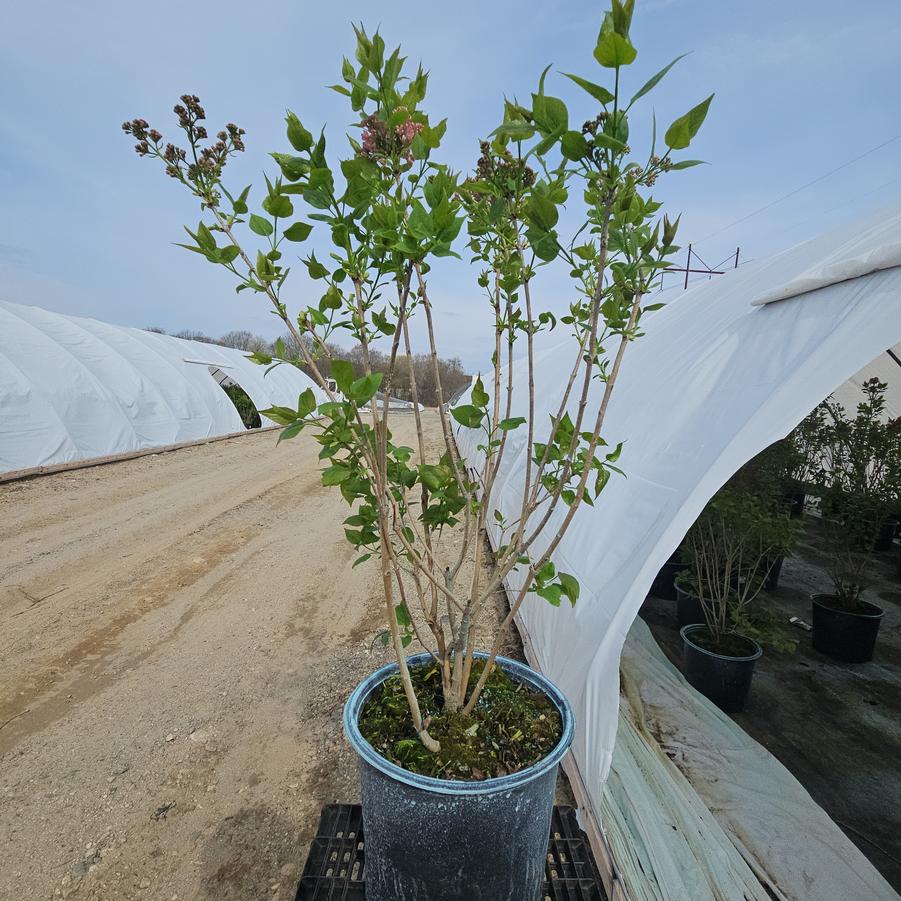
408	130
378	141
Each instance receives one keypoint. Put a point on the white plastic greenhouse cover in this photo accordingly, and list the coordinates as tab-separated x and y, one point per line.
74	389
714	381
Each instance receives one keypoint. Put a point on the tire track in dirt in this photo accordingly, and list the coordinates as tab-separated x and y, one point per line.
81	671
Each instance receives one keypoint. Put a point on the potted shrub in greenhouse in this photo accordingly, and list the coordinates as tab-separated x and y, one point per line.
860	477
799	460
774	477
459	746
728	548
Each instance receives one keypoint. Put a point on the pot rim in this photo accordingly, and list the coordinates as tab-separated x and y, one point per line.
521	671
815	599
685	630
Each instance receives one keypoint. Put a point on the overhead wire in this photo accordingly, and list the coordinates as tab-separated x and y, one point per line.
803	187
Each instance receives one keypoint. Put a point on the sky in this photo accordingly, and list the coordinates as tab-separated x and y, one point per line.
87	228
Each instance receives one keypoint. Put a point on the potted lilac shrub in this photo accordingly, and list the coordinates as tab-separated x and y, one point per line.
459	746
859	476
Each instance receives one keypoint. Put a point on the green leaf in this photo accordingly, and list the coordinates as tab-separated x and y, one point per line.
514	422
613	49
541	211
293	167
402	615
363	389
331	300
550	114
315	268
205	238
651	83
299	231
306	403
299	137
281	415
479	394
621	14
599	93
543	243
357	562
343	374
573	145
240	205
382	323
551	593
419	149
228	254
278	205
432	476
687	164
570	587
679	134
335	475
468	415
290	431
517	131
260	226
602	140
420	222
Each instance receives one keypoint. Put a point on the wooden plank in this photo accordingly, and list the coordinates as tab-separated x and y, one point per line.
34	471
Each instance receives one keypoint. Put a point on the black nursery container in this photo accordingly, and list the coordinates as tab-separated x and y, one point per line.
844	635
664	585
445	840
794	499
886	535
725	680
771	583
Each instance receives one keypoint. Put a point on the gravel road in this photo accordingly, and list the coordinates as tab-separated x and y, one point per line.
178	634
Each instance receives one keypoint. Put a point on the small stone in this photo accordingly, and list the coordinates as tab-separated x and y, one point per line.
199	736
145	883
170	737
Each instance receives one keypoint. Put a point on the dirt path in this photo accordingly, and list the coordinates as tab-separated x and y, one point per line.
177	636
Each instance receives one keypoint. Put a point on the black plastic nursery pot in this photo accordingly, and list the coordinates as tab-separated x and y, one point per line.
771	583
446	840
723	679
843	634
885	538
664	585
794	499
689	610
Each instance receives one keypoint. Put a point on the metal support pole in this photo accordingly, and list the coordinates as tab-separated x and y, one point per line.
687	266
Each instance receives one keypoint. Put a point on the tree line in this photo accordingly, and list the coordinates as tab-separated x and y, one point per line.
452	376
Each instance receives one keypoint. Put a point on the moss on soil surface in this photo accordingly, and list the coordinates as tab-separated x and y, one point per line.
512	727
729	645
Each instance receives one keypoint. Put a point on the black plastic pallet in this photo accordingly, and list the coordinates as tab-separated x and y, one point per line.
335	869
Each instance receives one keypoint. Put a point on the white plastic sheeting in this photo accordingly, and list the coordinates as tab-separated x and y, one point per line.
74	389
746	828
715	381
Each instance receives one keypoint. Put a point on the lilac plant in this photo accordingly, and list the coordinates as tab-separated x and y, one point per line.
389	208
